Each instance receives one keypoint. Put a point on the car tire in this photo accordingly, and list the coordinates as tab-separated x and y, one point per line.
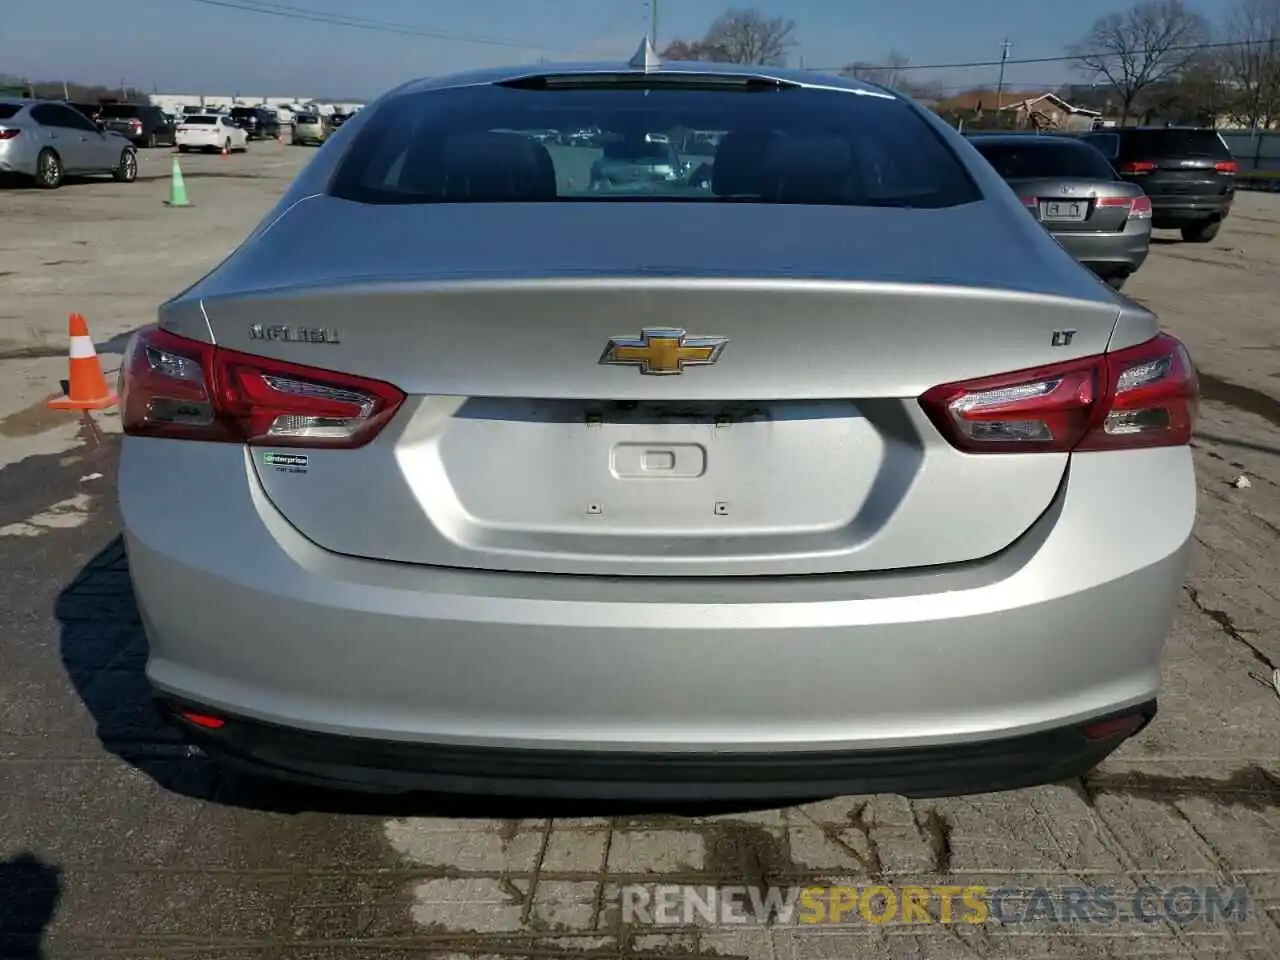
152	140
1116	281
126	170
48	170
1201	232
182	149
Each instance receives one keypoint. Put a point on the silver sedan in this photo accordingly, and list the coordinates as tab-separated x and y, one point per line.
47	141
836	474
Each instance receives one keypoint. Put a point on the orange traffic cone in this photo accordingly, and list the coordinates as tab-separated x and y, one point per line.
87	385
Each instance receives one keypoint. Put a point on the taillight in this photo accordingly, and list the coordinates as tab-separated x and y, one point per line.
1143	396
9	134
171	386
1139	207
1142	166
1227	166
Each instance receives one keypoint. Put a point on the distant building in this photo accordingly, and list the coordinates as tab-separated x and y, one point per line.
1048	111
174	102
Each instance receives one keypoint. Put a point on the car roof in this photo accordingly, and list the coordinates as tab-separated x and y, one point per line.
1021	138
646	61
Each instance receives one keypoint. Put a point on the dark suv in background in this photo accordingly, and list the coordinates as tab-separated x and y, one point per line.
1188	172
258	123
143	124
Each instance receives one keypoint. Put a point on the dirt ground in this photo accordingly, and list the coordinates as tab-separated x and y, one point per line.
117	841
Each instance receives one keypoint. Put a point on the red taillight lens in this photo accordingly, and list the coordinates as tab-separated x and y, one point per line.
1227	166
1143	396
1139	207
1142	166
9	134
174	387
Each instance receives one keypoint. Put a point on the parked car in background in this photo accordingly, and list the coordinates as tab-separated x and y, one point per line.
258	123
1069	186
338	118
913	517
210	131
637	163
1188	172
47	141
145	125
310	128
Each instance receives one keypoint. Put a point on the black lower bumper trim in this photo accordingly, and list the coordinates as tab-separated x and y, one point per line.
384	766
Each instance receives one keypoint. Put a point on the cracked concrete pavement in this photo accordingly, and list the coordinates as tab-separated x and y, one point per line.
116	840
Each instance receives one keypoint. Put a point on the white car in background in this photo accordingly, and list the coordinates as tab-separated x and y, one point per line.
210	131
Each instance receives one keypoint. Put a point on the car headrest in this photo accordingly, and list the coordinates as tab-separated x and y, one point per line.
497	166
809	169
480	167
737	165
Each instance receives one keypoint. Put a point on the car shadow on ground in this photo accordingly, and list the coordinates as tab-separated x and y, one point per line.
29	893
104	652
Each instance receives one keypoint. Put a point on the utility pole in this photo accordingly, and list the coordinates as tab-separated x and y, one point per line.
1005	47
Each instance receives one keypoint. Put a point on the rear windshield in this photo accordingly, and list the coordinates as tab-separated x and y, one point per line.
243	111
119	110
1044	158
1154	144
495	144
9	110
188	120
308	118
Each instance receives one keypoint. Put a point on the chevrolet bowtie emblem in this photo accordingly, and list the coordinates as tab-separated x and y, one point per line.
663	350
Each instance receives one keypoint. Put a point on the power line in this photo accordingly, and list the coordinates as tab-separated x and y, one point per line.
1068	58
366	23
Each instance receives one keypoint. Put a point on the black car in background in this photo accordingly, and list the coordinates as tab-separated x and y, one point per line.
1188	172
258	123
338	118
143	124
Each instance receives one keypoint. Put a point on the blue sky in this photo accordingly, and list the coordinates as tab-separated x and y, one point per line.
185	46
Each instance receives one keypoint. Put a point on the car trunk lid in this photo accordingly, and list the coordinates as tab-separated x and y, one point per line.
800	450
1078	206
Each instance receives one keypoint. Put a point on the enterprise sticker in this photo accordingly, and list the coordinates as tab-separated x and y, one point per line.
286	462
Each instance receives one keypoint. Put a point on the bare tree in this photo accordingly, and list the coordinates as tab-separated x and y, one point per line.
1253	66
1152	42
894	73
691	50
750	36
887	74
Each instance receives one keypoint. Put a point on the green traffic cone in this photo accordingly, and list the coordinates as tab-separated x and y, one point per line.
177	187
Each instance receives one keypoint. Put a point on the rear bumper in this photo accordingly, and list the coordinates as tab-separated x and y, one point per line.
1109	253
17	158
352	763
247	618
1178	211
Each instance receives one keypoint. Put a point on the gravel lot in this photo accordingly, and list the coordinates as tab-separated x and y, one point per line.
115	842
